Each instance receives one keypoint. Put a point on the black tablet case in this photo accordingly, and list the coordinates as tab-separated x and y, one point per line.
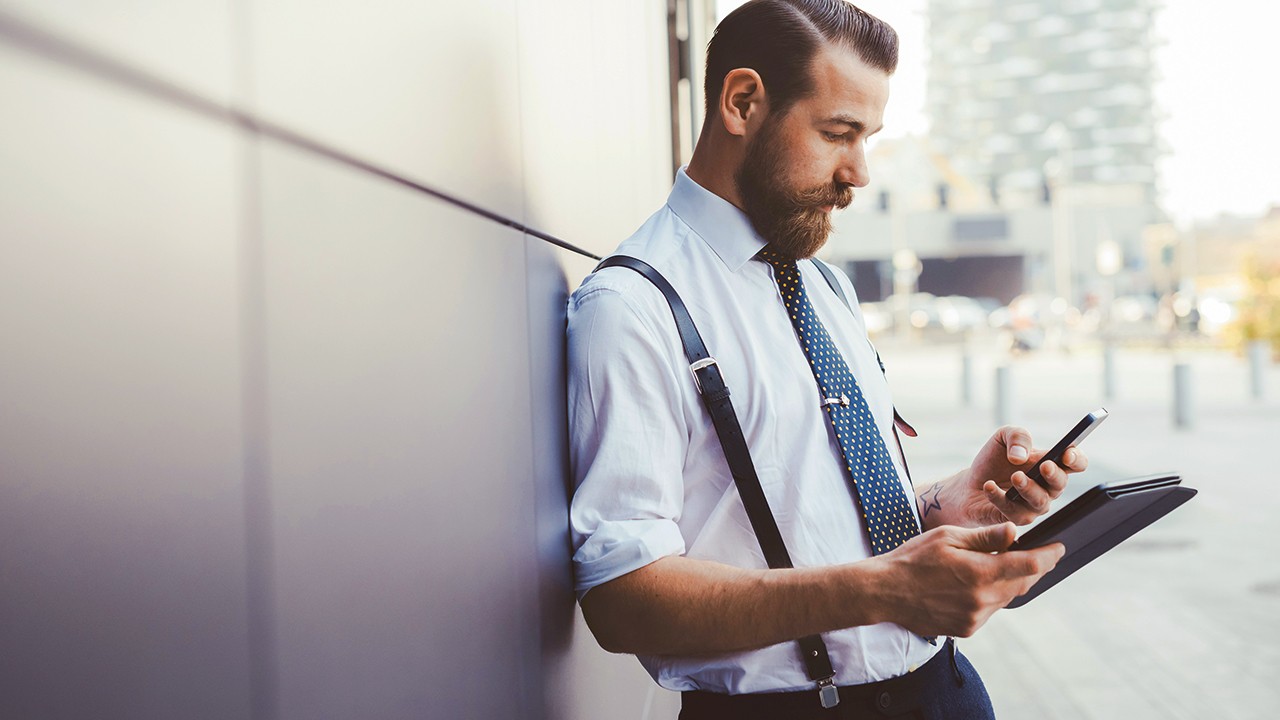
1099	520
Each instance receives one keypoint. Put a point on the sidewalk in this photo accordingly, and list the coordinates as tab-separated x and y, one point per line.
1179	621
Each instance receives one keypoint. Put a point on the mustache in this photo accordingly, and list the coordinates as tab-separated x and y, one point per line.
838	195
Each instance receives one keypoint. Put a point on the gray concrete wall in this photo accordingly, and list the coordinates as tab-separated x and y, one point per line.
282	429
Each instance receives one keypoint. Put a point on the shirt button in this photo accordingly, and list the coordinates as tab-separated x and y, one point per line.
884	700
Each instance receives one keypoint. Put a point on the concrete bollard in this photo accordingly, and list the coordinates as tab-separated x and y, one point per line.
966	377
1109	371
1183	405
1004	395
1259	360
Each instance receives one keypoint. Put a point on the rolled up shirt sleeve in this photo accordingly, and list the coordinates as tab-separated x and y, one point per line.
628	434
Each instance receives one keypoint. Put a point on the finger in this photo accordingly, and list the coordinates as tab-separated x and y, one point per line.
992	538
1075	460
1033	496
1034	563
1055	479
1017	442
1011	509
1060	551
1017	565
994	493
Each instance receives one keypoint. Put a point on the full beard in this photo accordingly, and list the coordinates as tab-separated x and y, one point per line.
795	223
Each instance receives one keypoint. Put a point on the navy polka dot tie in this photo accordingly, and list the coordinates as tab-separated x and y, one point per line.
885	510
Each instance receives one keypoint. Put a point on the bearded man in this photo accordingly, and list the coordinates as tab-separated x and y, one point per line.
668	565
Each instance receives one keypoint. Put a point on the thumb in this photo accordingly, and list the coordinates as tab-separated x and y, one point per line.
992	538
1017	442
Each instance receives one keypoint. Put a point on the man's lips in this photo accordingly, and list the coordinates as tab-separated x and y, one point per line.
832	205
828	205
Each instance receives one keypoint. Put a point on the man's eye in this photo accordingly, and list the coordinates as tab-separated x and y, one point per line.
833	137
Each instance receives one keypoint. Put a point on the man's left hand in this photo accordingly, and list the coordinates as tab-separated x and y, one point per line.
977	496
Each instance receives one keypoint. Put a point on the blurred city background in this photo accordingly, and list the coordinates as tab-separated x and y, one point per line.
1065	174
267	268
1074	211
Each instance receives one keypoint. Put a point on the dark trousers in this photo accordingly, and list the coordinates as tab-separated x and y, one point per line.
945	688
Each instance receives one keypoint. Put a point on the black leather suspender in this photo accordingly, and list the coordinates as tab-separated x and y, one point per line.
830	277
715	396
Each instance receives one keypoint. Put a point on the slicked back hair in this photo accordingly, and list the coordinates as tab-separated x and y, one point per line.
779	39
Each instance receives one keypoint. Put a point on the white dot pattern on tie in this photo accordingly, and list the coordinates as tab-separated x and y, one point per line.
885	509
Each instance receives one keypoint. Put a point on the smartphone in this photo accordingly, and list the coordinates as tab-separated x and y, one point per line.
1071	439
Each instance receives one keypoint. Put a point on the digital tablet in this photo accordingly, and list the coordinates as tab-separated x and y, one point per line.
1099	520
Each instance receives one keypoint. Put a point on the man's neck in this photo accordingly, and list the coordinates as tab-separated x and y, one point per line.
708	168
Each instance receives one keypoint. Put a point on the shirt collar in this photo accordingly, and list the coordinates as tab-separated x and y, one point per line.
717	221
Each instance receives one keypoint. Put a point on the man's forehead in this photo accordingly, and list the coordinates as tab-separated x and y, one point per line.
846	88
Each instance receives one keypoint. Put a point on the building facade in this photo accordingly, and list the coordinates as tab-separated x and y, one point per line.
1038	174
1014	87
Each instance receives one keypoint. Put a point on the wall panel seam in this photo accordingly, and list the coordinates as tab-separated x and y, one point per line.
24	36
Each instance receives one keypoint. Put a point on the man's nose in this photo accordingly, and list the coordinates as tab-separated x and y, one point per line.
853	169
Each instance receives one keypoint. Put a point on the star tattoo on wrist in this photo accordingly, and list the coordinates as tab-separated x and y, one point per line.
929	500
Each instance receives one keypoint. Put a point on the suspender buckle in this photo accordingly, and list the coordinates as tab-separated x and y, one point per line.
698	365
828	695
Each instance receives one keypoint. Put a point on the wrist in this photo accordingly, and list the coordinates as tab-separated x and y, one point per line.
867	585
935	503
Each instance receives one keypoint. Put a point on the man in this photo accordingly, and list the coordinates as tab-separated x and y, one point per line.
667	564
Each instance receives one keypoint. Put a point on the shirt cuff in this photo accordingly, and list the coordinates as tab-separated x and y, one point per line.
618	547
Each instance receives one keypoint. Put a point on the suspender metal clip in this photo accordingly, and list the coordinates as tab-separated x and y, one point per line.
828	695
695	367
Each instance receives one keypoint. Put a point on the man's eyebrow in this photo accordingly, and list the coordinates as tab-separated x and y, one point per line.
852	122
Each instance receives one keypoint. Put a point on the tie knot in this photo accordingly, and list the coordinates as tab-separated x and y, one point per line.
772	257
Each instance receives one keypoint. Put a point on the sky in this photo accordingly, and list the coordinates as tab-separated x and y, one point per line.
1217	93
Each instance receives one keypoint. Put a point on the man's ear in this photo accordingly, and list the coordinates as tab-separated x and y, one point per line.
741	98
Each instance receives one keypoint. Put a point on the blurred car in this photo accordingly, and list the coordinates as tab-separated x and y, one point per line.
918	311
926	313
958	313
1133	310
1033	320
1218	309
877	316
1133	316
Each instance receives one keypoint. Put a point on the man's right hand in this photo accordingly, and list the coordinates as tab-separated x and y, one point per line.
944	582
950	580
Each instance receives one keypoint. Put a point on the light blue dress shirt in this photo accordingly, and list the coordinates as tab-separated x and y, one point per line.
650	474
